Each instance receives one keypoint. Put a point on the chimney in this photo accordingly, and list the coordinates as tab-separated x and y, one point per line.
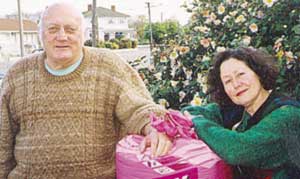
113	8
90	7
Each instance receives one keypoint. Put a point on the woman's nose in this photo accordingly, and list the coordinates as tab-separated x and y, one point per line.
236	83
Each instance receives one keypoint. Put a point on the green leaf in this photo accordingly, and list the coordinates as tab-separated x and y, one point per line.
296	29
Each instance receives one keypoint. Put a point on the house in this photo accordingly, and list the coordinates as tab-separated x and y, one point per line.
111	24
10	36
35	16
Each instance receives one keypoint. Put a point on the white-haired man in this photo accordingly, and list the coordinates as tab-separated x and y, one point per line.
62	111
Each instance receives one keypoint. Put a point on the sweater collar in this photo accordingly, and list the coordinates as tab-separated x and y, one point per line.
274	101
66	71
74	74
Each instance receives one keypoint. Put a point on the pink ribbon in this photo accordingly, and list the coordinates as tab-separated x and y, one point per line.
174	125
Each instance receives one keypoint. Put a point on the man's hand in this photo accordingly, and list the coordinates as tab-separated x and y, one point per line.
159	142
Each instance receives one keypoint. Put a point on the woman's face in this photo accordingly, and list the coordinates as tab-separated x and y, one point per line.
241	84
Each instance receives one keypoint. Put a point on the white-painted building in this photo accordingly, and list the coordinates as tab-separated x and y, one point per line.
10	36
111	24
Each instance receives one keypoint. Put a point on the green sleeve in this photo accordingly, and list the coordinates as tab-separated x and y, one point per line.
210	111
262	146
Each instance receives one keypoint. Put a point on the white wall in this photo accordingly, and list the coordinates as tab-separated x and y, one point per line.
110	25
10	42
113	23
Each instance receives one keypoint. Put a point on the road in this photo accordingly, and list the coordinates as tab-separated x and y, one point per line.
132	54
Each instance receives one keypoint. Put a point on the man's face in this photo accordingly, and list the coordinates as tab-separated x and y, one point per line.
62	34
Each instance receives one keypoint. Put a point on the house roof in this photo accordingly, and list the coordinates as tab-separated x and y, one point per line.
104	12
13	25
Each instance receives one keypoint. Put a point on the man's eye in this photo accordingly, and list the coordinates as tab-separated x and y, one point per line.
70	30
241	73
53	29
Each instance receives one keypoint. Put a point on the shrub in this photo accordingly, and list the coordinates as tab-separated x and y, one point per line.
125	43
88	43
114	45
179	76
108	44
134	43
101	44
117	41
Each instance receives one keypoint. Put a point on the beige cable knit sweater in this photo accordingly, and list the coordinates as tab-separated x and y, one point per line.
67	127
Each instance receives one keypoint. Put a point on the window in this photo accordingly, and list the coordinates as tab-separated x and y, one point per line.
122	21
119	35
106	36
111	21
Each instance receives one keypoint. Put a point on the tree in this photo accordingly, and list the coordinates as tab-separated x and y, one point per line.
163	31
138	25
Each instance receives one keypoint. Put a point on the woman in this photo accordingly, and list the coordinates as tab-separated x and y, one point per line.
251	126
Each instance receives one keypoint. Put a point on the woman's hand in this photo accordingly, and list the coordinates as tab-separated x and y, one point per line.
187	114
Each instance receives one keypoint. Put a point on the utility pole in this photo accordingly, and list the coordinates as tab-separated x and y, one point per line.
94	24
21	29
150	29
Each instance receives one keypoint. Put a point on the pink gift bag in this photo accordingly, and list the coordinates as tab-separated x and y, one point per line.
188	159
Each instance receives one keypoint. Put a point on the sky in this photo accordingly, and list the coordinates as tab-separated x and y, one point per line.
160	9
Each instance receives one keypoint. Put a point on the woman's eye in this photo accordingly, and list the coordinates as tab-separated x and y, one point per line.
227	81
241	73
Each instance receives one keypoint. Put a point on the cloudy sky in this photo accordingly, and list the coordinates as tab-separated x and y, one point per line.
161	9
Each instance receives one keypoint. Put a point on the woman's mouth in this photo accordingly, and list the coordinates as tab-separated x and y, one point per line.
241	92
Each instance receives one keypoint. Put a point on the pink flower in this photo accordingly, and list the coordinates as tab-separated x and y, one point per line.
205	42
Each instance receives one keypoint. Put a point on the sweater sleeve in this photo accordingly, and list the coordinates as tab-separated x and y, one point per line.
262	146
134	101
7	133
210	111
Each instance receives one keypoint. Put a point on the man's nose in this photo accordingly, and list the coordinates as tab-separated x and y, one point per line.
61	34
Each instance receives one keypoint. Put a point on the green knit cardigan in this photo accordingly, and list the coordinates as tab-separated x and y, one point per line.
268	140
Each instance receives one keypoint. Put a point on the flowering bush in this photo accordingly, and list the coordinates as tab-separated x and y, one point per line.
179	77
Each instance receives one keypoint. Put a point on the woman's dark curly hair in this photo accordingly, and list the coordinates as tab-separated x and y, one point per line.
264	65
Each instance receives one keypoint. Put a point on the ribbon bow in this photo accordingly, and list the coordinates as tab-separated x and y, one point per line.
174	125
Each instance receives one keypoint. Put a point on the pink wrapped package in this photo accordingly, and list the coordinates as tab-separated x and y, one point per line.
189	159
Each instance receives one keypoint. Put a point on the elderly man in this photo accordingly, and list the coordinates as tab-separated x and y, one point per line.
63	110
